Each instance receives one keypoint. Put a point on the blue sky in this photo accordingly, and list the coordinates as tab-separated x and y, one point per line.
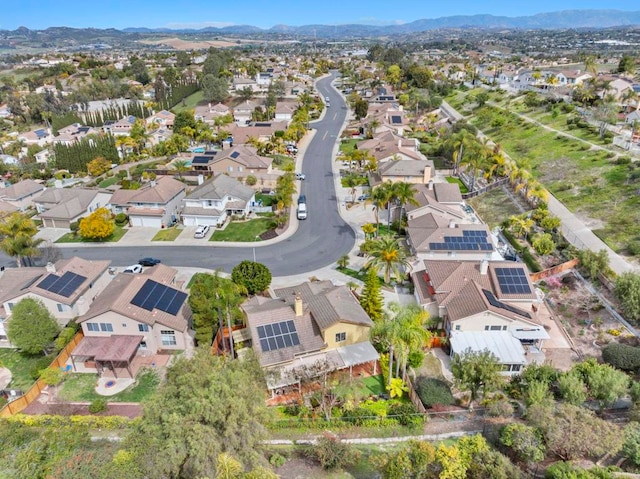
38	14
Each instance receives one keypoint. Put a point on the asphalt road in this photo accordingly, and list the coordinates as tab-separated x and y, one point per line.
319	241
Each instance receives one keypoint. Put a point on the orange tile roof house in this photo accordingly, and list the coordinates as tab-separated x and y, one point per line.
308	324
67	288
147	306
155	205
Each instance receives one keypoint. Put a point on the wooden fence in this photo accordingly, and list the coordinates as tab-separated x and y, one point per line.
535	277
413	395
20	404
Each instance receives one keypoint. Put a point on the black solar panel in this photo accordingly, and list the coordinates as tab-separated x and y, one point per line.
513	281
154	295
471	240
262	124
199	160
277	336
493	301
211	152
235	154
63	285
396	119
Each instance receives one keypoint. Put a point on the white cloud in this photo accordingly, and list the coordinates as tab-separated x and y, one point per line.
198	25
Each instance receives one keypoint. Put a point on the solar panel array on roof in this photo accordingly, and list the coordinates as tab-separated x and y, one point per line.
277	336
210	152
200	160
396	120
493	301
235	154
83	129
262	124
471	240
154	295
513	281
63	285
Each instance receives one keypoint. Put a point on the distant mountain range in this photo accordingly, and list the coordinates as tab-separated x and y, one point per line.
594	19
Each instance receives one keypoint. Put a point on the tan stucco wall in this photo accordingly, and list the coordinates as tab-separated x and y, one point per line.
355	334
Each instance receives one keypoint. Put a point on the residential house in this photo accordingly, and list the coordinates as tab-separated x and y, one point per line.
59	207
387	147
162	118
242	83
40	137
22	194
572	77
209	113
264	79
216	199
136	314
43	157
155	205
443	199
261	131
243	113
122	127
407	171
482	298
242	161
7	208
284	111
66	288
73	133
308	325
432	236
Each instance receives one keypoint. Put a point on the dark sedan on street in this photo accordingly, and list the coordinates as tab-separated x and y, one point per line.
149	261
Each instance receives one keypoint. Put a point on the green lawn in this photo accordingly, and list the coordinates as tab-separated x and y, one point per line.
20	366
70	237
347	146
189	103
375	384
108	182
167	234
247	231
80	387
458	181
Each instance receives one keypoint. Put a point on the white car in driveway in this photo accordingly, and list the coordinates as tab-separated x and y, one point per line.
202	231
301	176
134	269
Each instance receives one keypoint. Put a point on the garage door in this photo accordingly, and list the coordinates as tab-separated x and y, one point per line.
146	221
201	220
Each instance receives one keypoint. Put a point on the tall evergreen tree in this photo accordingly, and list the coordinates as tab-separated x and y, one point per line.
371	298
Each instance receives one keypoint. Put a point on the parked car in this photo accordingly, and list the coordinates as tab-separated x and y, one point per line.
149	261
202	231
302	199
364	197
301	176
134	269
292	149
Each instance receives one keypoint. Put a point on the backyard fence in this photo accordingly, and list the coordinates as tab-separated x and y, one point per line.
413	395
20	404
560	268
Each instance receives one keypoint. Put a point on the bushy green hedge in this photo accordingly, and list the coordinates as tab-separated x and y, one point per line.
434	391
622	356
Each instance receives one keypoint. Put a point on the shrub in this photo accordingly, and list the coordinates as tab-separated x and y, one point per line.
434	391
39	366
634	248
121	219
277	460
74	226
357	416
622	356
98	405
500	408
415	358
65	336
406	414
332	453
251	180
51	376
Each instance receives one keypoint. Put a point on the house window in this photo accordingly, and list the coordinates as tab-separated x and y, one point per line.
230	168
106	327
168	338
143	345
240	169
93	327
143	328
493	328
340	337
457	328
60	307
10	305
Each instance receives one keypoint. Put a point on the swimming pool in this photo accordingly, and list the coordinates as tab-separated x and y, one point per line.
197	150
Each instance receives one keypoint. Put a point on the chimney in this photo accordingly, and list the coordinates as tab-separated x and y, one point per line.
200	179
484	267
298	305
153	183
51	268
430	185
452	224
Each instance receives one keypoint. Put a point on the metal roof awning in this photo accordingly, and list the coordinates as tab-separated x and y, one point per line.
359	353
501	344
532	334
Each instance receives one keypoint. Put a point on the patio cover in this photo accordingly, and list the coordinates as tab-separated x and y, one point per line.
114	348
532	334
359	353
502	344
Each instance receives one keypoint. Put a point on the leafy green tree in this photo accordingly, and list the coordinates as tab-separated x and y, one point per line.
388	255
16	233
31	328
98	166
607	384
361	108
538	393
627	290
631	445
255	277
207	405
214	89
140	72
371	298
476	370
525	441
627	64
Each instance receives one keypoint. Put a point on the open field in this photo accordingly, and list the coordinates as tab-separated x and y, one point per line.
180	44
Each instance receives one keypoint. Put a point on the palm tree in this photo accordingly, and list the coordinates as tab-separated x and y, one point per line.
405	193
459	142
180	166
387	253
368	229
17	232
352	181
402	330
382	196
474	162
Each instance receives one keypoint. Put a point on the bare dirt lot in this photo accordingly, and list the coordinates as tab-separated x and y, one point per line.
585	319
